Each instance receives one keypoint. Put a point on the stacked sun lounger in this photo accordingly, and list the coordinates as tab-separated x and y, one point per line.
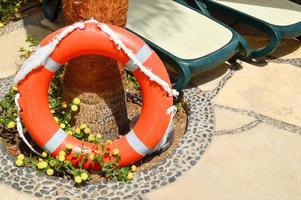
187	37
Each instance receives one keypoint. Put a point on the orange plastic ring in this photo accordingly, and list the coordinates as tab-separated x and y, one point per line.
153	121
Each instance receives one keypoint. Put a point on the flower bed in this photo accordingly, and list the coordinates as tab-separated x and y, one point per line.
63	113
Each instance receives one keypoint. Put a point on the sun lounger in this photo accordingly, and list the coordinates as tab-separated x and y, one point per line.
278	18
186	39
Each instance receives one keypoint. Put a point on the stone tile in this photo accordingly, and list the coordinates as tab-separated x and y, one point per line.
227	120
263	163
12	194
11	43
273	90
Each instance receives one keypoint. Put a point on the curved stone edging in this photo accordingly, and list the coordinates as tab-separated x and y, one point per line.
5	84
198	135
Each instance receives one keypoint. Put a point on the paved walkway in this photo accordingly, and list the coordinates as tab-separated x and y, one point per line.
255	153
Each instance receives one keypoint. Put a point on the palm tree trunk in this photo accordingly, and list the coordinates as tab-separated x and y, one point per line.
96	80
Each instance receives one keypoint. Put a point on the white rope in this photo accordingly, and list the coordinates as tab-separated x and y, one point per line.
120	45
42	53
92	20
19	125
172	110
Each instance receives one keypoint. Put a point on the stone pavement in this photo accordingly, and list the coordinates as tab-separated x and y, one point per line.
255	153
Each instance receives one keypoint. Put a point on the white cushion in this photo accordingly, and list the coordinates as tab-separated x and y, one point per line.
275	12
177	29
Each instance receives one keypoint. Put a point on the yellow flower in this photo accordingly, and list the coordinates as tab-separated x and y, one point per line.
77	130
109	142
52	163
67	162
83	126
64	104
77	179
11	125
98	136
52	111
74	108
130	176
133	168
76	101
69	132
84	176
20	156
62	153
42	165
68	146
56	119
62	158
49	172
41	160
15	88
87	130
19	162
44	154
1	25
91	138
91	156
62	125
116	152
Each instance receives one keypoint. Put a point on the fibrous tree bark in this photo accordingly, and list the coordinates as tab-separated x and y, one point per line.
97	80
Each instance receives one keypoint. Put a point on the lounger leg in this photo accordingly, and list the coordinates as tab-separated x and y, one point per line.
275	39
274	36
184	76
244	48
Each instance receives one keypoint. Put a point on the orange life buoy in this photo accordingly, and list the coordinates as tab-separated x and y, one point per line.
152	123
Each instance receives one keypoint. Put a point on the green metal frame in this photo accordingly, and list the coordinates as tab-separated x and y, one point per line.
275	33
236	48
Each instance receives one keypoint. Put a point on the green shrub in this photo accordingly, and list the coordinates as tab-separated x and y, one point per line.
8	9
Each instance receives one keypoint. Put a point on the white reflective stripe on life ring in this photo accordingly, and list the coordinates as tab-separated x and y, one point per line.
56	140
142	55
137	144
52	65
